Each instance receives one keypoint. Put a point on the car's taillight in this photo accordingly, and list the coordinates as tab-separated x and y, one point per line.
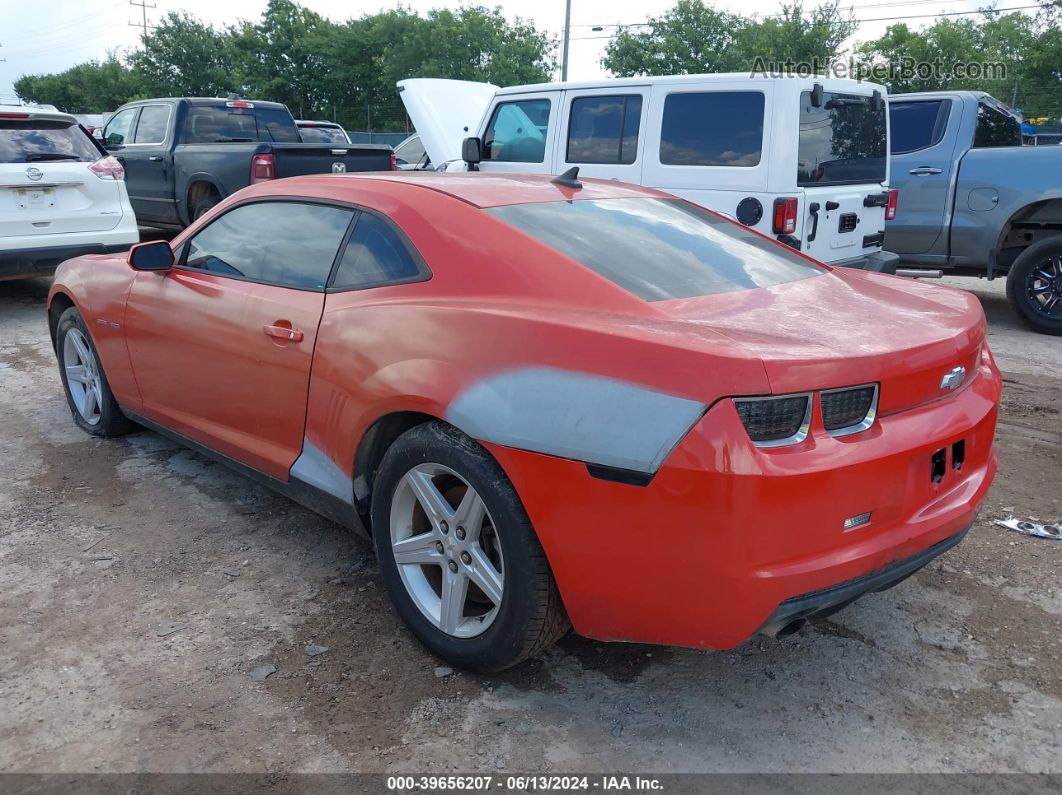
394	162
775	421
14	115
890	205
108	168
263	168
785	216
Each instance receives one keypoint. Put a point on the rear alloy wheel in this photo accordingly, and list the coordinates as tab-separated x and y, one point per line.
87	392
458	554
1034	285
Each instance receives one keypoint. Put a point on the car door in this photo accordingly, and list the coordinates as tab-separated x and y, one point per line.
922	149
521	133
601	132
148	165
222	344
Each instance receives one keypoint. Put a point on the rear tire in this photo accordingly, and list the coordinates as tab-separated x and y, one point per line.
87	392
205	205
423	495
1034	286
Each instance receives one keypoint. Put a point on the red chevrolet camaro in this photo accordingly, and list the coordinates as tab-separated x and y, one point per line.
552	403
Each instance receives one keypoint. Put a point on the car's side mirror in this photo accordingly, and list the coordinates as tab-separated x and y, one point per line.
155	255
471	152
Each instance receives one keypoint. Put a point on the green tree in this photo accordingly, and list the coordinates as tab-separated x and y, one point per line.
184	57
804	37
91	87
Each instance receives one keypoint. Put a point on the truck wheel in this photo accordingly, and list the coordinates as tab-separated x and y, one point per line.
1034	286
458	555
203	206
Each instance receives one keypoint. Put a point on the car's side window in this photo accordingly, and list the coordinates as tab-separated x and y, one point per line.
120	127
604	129
291	244
917	125
995	128
517	132
712	128
151	127
377	255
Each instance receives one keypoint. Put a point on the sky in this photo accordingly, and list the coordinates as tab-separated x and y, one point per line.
78	30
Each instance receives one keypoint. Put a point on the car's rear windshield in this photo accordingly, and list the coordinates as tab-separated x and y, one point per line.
313	134
208	124
842	142
36	141
659	249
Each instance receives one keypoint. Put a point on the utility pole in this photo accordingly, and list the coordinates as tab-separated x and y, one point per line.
567	34
143	5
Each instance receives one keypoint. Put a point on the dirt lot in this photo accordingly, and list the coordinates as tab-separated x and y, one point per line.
126	641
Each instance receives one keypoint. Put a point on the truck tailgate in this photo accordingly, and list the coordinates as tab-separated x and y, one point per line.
293	160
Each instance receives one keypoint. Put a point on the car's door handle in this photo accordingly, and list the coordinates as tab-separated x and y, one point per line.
285	333
924	171
155	158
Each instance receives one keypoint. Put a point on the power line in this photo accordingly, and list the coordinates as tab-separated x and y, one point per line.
143	5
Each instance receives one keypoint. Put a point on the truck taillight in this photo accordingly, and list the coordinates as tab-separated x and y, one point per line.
108	168
785	216
890	205
263	168
394	162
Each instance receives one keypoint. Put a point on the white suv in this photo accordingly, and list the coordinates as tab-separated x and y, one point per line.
61	195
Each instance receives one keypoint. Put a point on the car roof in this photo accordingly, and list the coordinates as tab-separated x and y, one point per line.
483	190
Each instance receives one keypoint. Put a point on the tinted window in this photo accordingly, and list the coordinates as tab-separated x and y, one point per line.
276	124
151	129
375	255
40	141
517	132
119	128
323	135
842	142
277	242
916	125
207	124
659	249
712	129
995	128
604	129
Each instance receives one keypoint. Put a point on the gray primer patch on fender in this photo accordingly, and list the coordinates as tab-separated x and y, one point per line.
317	469
574	415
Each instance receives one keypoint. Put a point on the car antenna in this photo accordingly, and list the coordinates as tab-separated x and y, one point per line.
569	179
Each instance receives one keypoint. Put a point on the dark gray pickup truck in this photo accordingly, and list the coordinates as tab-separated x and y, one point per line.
184	155
973	201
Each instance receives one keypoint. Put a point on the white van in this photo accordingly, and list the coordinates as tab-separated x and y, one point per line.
804	160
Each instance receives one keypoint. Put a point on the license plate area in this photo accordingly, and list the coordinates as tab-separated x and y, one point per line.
847	222
35	198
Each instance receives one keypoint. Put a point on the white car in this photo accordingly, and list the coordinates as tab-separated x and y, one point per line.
321	132
61	195
804	160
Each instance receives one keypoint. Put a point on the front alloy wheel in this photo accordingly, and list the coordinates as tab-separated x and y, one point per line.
83	376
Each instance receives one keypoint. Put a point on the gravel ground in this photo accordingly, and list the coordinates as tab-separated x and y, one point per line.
146	590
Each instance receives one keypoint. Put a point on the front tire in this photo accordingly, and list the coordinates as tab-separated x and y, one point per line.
87	392
1034	286
458	555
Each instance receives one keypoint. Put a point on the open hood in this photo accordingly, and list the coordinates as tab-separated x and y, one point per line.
445	112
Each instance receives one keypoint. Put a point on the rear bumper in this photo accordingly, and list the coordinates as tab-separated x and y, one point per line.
829	600
26	257
879	262
729	538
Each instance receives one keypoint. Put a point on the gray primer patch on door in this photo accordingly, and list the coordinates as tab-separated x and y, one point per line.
314	467
574	415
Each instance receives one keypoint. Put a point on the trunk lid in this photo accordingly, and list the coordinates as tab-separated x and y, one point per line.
445	112
865	328
294	160
843	227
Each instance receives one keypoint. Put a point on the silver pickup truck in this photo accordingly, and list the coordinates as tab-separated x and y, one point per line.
974	202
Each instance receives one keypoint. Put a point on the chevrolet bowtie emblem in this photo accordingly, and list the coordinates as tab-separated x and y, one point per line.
953	378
